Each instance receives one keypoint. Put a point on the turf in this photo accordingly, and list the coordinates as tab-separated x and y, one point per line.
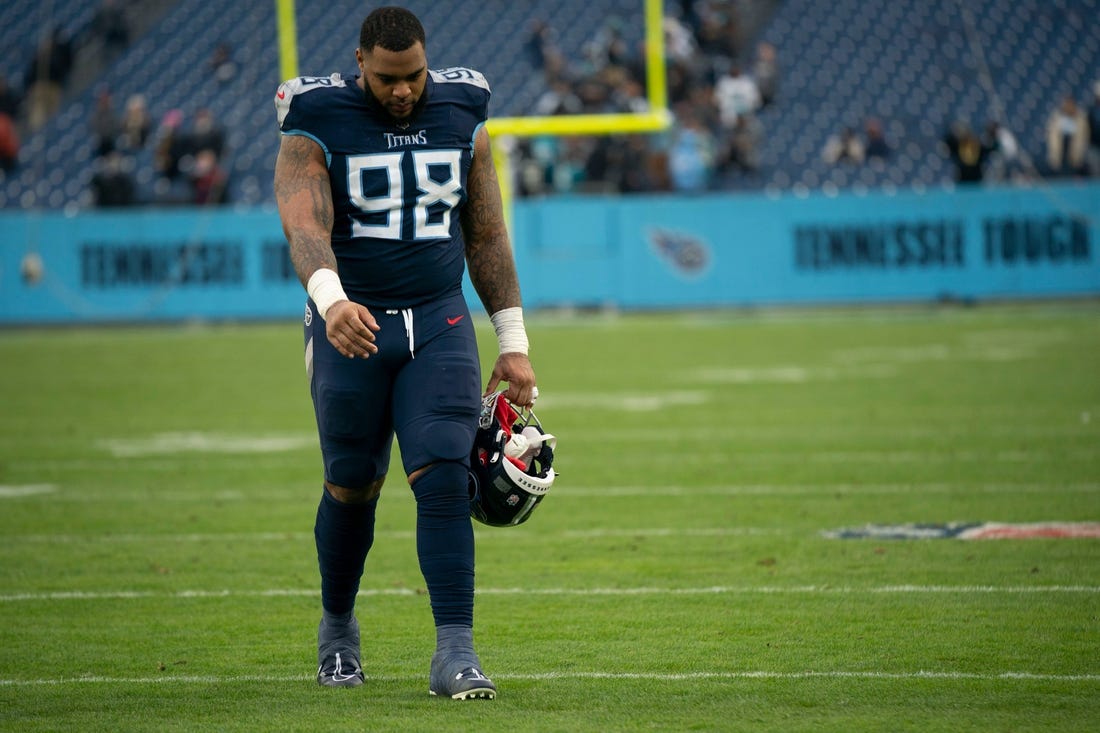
158	487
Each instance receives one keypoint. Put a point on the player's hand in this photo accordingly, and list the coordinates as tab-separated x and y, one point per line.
350	328
515	369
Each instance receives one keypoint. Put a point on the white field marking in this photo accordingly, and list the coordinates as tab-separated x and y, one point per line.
14	492
665	532
566	492
787	374
915	489
625	402
1074	425
989	351
584	592
709	454
167	539
198	442
482	535
923	674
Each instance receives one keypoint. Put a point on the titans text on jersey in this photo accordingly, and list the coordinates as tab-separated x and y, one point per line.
395	184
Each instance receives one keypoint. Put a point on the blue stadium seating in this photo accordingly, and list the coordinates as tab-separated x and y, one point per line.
917	65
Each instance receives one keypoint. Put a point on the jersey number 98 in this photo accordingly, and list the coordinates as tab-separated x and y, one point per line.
437	193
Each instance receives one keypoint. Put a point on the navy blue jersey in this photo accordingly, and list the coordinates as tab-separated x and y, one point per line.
396	185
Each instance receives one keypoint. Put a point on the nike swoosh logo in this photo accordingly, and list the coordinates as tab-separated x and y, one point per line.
281	94
453	321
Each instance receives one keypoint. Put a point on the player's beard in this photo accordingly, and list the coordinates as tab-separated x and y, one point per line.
404	118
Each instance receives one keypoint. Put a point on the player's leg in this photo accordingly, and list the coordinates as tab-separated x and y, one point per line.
437	398
350	398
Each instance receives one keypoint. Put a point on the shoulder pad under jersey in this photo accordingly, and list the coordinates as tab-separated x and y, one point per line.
301	85
460	75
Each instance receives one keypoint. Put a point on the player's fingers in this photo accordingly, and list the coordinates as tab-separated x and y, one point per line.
351	338
522	395
367	318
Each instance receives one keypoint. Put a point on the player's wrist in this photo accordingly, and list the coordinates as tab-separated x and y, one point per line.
325	290
511	334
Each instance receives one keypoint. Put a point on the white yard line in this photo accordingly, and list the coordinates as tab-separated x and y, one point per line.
13	492
578	491
1008	676
486	535
39	597
915	489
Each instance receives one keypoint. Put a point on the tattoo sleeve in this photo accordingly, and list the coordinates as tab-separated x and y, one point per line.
304	197
488	251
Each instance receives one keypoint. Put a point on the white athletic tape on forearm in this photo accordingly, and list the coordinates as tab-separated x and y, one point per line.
325	289
511	335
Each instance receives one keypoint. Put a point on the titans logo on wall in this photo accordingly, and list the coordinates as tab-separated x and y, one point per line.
688	255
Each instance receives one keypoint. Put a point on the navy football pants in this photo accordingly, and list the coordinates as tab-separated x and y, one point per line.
424	385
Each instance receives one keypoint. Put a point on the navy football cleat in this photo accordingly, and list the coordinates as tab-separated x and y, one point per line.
338	656
469	684
460	678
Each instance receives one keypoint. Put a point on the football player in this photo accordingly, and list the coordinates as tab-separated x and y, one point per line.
386	191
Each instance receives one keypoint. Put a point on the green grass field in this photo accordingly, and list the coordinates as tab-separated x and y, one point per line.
158	489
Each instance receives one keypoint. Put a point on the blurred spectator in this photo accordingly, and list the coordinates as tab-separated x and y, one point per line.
104	123
1067	139
735	94
9	143
679	40
765	70
112	184
45	78
691	153
717	39
112	28
629	96
594	95
170	147
608	48
744	142
9	132
844	147
875	145
540	44
136	125
567	171
558	99
644	169
603	165
209	181
222	66
1004	161
967	152
685	11
1094	131
206	134
9	99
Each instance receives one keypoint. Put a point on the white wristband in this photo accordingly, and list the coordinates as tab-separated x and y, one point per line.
325	289
511	334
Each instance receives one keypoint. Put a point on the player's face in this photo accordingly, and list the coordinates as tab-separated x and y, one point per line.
395	78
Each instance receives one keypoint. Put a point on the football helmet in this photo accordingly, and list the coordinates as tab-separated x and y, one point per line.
510	465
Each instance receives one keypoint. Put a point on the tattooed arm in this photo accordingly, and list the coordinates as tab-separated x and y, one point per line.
305	204
488	251
492	267
304	196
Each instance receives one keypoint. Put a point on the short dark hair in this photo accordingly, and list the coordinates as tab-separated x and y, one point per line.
392	28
